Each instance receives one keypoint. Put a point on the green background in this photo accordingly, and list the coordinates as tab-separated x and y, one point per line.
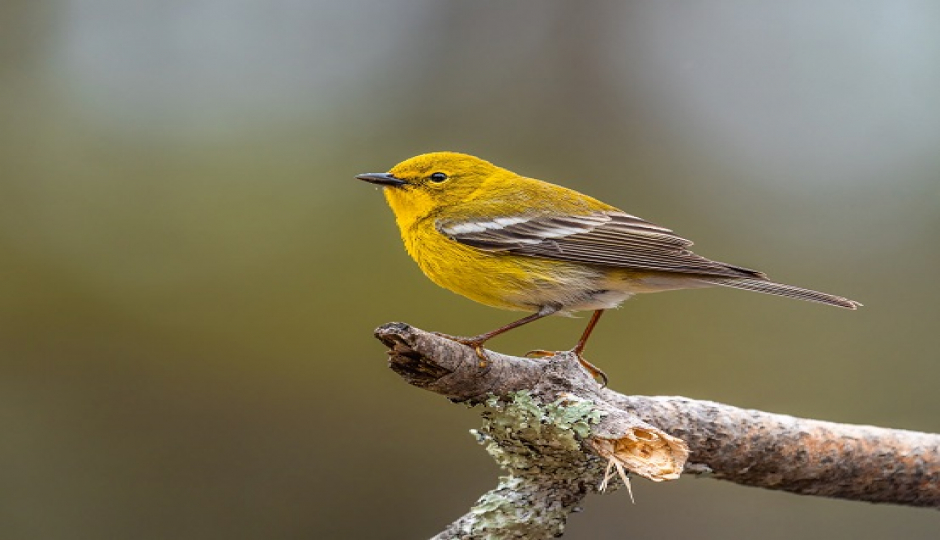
190	275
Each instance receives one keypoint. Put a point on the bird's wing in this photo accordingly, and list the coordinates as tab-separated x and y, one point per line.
607	238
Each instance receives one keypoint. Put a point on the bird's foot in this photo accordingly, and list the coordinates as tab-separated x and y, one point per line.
473	342
539	353
595	371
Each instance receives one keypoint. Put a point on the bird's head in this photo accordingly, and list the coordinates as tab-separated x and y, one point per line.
423	184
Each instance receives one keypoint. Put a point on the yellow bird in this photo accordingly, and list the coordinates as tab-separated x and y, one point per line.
522	244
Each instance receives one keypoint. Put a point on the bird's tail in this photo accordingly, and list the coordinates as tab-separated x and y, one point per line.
779	289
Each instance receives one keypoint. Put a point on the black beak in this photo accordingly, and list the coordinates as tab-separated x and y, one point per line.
382	179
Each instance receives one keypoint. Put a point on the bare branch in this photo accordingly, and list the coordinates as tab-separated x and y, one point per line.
810	457
556	432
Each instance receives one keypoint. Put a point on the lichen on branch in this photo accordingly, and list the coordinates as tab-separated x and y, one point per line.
540	446
557	434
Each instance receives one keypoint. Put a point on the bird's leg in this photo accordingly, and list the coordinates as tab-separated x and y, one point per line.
477	341
579	348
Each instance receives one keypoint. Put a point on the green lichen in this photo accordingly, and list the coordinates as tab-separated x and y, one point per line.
539	445
520	428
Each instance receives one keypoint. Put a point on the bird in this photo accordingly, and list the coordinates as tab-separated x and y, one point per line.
522	244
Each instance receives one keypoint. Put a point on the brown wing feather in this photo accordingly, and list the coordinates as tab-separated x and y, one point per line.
603	238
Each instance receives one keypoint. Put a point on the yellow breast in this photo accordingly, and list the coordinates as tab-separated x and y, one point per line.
493	279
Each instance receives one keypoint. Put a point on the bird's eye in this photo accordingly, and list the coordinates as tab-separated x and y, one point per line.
438	177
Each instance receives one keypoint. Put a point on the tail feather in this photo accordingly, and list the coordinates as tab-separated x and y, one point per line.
779	289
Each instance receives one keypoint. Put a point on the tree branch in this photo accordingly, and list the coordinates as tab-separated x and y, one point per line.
559	435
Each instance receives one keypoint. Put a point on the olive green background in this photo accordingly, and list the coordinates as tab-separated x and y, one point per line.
190	275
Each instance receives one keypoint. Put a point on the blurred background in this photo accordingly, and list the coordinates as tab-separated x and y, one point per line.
191	275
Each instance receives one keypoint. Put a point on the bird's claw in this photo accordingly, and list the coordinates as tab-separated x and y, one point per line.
595	371
475	344
481	353
539	353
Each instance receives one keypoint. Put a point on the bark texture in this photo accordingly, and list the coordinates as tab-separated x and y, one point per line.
560	436
810	457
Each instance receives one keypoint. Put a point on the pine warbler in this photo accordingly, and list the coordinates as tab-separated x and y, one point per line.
523	244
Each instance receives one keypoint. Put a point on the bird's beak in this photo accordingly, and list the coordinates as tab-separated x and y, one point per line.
382	179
